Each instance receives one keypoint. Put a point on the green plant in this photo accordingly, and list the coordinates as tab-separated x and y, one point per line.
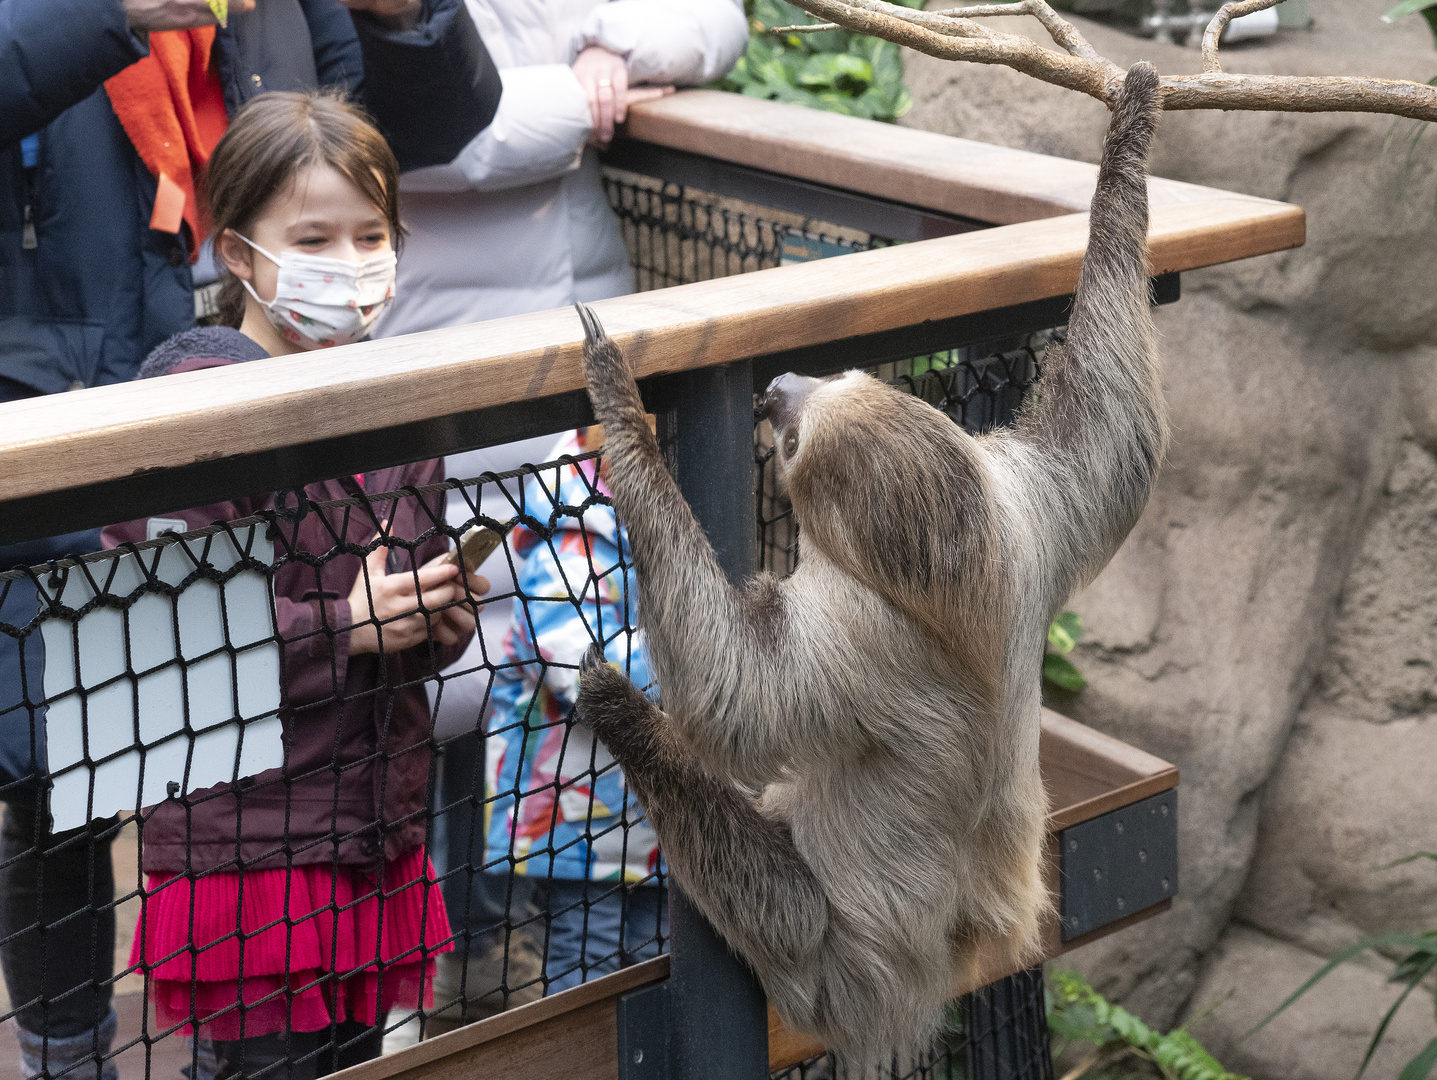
1420	961
836	70
1426	8
1063	634
1078	1013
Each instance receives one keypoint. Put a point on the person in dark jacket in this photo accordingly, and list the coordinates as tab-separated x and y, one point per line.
304	195
87	288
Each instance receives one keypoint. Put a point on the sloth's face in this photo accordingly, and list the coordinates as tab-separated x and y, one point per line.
783	404
798	407
839	439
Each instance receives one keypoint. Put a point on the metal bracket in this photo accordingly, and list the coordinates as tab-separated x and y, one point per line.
644	1034
1118	864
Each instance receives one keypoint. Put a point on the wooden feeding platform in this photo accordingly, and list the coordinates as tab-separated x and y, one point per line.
994	235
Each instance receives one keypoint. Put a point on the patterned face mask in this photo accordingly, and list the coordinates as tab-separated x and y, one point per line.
319	302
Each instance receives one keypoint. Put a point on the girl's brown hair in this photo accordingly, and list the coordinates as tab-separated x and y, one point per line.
274	137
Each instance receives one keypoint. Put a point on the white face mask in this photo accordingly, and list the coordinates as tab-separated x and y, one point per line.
320	302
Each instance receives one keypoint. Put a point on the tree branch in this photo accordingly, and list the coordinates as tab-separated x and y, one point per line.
1226	14
1060	29
953	35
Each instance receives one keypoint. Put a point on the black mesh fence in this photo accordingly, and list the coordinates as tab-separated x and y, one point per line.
239	719
282	788
676	235
998	1032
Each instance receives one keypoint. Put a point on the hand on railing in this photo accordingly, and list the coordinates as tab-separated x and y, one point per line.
394	600
604	75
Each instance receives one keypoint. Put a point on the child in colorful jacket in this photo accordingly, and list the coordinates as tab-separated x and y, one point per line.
560	808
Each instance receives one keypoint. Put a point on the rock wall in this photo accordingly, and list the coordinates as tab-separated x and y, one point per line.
1271	625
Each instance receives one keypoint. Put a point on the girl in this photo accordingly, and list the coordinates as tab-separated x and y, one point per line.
283	918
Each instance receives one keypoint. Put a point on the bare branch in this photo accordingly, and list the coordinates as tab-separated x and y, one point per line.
1225	14
1062	31
931	20
804	28
954	36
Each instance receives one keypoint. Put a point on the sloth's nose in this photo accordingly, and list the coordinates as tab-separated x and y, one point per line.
785	396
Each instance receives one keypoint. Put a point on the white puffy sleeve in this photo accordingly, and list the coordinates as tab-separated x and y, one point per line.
669	41
537	134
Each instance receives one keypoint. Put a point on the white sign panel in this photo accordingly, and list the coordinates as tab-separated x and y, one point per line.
120	683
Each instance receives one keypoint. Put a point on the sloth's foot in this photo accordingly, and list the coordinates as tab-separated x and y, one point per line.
624	720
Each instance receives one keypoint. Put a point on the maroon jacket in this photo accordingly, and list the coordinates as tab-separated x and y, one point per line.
354	785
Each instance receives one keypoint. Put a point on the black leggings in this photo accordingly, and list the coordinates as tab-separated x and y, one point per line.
57	918
313	1053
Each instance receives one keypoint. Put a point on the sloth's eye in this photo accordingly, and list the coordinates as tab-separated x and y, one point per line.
790	443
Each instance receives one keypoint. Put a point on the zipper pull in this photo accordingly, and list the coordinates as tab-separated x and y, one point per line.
28	239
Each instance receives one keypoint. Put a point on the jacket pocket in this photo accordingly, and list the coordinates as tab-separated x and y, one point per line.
51	355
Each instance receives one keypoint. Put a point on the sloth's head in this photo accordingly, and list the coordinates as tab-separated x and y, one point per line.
884	485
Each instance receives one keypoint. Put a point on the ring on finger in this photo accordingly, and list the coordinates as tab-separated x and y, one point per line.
605	84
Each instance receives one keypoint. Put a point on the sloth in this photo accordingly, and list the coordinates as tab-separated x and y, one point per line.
843	774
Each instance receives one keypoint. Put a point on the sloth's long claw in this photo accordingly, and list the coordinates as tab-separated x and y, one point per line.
593	329
593	658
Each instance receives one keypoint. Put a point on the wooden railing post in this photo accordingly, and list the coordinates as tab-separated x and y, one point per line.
716	1012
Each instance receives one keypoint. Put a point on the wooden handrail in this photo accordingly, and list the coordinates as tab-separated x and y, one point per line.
920	168
53	443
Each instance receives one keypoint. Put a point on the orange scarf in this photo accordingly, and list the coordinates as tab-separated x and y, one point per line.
173	109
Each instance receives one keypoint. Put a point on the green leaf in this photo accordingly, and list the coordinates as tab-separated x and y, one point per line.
1418	854
1065	631
1059	671
1080	1012
835	70
1418	943
1408	7
1420	1067
1382	1029
1414	967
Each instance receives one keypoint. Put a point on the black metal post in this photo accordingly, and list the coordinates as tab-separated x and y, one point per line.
717	1011
1007	1028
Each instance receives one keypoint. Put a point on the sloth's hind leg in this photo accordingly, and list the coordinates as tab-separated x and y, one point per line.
738	866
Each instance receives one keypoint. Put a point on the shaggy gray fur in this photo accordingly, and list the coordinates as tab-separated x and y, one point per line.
844	775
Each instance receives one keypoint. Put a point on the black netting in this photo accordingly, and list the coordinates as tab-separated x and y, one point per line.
1007	1027
209	728
676	235
227	804
997	1033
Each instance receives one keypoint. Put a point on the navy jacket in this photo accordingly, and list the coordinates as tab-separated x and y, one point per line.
87	289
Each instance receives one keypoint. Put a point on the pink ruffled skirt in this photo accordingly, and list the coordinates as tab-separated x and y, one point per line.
290	950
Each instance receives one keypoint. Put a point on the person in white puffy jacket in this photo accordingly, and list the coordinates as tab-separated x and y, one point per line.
518	222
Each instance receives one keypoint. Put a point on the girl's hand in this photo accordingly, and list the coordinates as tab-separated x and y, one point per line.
395	600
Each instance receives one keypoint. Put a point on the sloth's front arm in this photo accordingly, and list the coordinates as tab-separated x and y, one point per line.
1085	452
718	652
